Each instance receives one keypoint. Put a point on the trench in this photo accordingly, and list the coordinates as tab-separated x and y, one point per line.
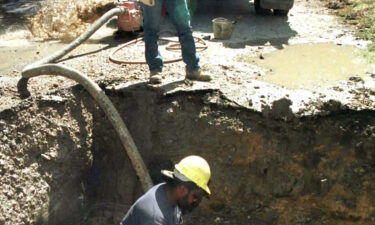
62	163
265	170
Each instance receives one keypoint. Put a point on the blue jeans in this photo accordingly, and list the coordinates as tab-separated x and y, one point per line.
180	18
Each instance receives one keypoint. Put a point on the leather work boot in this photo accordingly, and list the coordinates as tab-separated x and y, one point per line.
155	77
196	75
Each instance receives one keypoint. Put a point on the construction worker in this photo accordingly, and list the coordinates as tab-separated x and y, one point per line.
180	17
165	203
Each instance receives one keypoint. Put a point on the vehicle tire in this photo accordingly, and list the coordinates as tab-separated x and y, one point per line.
259	10
280	12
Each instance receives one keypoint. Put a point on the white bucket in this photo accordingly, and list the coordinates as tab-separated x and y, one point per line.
222	27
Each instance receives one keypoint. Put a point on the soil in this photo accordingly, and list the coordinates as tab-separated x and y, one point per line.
278	155
253	36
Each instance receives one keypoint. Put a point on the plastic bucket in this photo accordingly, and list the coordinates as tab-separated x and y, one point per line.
222	27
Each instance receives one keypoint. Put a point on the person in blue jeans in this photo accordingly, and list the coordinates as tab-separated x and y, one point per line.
179	14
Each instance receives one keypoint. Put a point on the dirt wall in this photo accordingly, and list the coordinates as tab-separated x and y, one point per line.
45	155
266	169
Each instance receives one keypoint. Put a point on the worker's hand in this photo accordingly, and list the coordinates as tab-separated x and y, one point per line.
148	2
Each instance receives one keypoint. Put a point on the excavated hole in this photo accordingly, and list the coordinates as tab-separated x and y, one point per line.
72	169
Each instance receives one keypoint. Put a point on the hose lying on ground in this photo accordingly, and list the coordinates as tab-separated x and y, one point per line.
42	68
171	47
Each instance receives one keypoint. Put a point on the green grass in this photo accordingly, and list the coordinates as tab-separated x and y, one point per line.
360	13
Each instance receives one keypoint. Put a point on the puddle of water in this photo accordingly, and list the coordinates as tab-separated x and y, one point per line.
16	50
309	66
25	53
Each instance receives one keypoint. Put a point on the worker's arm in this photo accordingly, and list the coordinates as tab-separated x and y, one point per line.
139	215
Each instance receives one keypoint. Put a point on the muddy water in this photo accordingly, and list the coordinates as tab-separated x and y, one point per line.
313	65
12	55
16	50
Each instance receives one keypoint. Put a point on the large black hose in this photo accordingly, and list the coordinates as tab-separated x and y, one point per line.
41	68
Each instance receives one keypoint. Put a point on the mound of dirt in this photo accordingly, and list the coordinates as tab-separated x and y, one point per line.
65	21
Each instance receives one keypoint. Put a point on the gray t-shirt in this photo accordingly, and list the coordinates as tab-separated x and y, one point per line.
153	208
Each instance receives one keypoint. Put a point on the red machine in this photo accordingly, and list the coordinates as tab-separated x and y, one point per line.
131	20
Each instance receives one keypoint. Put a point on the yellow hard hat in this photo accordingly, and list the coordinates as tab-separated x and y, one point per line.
196	169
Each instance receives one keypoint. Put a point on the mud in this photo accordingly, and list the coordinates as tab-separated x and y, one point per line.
253	36
62	163
278	156
306	66
63	20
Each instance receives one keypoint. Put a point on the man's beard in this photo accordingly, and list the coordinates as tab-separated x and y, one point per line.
184	206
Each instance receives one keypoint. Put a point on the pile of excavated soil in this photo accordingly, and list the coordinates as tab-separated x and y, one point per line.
63	20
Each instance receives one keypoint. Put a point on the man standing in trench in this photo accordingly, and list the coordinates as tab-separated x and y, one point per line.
179	14
165	203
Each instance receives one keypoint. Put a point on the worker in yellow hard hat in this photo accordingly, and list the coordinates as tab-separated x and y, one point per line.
182	191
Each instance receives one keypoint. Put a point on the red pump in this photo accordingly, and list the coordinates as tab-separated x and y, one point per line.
132	19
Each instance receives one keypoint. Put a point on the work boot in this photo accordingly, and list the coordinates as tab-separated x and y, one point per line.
155	77
196	75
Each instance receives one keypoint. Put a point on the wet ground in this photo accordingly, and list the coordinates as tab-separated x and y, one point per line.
314	65
254	37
